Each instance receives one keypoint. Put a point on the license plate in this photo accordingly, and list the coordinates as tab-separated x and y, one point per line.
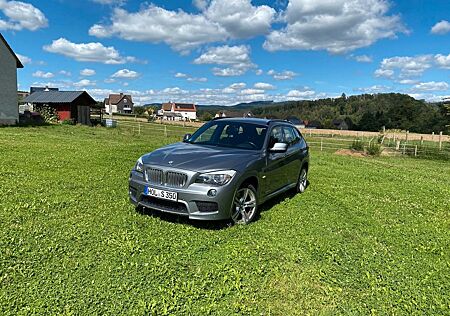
161	194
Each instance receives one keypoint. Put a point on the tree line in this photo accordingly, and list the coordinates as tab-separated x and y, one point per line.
366	112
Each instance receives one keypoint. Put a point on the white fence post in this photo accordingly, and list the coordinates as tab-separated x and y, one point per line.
165	130
440	141
321	143
415	151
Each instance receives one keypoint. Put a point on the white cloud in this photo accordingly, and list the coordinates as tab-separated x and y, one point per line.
178	29
252	91
41	74
284	75
89	52
21	15
201	79
297	94
234	87
24	59
442	61
362	58
259	72
200	4
240	18
190	78
374	89
87	72
110	80
65	73
236	58
84	83
408	81
180	75
337	26
125	73
441	28
264	86
404	67
431	86
218	21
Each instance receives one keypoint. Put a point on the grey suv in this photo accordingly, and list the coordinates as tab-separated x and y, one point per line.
226	169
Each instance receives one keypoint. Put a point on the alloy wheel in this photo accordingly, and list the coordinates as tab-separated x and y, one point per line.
244	206
302	181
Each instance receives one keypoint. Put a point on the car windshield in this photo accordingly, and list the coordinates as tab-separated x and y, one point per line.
230	134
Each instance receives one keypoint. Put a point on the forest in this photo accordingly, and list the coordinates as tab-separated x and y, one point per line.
365	112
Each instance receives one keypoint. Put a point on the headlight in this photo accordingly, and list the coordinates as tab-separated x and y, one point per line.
216	178
139	167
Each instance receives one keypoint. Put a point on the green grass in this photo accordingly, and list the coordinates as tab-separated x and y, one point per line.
370	236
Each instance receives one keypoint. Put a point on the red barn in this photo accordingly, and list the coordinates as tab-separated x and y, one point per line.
69	105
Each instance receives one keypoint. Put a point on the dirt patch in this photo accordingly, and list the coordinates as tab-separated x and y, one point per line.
351	152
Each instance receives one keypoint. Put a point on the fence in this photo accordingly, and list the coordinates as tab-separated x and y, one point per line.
322	140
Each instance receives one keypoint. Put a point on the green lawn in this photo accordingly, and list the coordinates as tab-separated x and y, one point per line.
370	235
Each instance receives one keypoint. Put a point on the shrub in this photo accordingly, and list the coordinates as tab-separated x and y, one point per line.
67	122
357	145
374	149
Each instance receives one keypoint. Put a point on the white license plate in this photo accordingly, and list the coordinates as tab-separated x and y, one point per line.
161	194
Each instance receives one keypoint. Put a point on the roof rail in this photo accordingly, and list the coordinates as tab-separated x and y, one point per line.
278	120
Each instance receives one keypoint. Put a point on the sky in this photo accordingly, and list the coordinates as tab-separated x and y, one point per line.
231	51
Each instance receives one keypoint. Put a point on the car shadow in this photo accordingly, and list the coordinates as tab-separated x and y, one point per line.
179	219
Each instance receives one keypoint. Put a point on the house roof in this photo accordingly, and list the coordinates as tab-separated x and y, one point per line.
55	96
167	106
19	63
116	98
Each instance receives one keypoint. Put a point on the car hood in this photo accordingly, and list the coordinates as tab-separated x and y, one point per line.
200	158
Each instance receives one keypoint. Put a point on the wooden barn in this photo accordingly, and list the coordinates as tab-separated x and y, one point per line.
69	105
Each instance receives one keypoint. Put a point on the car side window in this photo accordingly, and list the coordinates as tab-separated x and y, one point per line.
207	136
276	136
289	135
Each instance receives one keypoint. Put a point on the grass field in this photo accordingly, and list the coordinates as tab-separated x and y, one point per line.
370	236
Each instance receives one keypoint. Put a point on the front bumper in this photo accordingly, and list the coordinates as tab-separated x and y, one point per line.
193	200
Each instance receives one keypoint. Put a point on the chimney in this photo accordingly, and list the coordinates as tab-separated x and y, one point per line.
46	88
121	94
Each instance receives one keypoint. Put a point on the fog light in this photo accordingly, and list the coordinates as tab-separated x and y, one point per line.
212	192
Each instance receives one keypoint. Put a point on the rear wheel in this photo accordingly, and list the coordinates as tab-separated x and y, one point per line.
245	205
302	182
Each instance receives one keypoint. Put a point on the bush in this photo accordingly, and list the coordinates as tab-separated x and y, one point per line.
357	145
374	149
67	122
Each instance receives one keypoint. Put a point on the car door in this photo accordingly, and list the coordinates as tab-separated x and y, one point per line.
274	172
293	157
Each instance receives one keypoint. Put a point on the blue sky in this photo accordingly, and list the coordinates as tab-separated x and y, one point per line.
231	51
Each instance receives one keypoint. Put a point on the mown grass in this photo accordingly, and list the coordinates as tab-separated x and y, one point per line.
369	236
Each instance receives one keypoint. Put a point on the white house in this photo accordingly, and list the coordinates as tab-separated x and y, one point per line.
9	106
184	111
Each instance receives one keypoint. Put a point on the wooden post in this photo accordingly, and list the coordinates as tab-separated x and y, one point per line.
404	148
165	130
321	143
407	133
432	136
440	141
415	151
310	133
397	145
139	126
421	140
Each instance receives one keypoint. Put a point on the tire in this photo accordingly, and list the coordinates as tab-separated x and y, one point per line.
302	182
245	205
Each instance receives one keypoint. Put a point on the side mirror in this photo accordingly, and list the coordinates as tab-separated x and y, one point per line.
186	137
279	148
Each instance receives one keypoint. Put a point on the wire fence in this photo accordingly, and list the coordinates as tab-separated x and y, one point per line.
389	143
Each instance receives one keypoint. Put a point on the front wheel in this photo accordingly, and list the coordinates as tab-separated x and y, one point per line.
302	182
245	205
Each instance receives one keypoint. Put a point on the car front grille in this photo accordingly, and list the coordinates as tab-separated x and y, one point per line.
167	178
